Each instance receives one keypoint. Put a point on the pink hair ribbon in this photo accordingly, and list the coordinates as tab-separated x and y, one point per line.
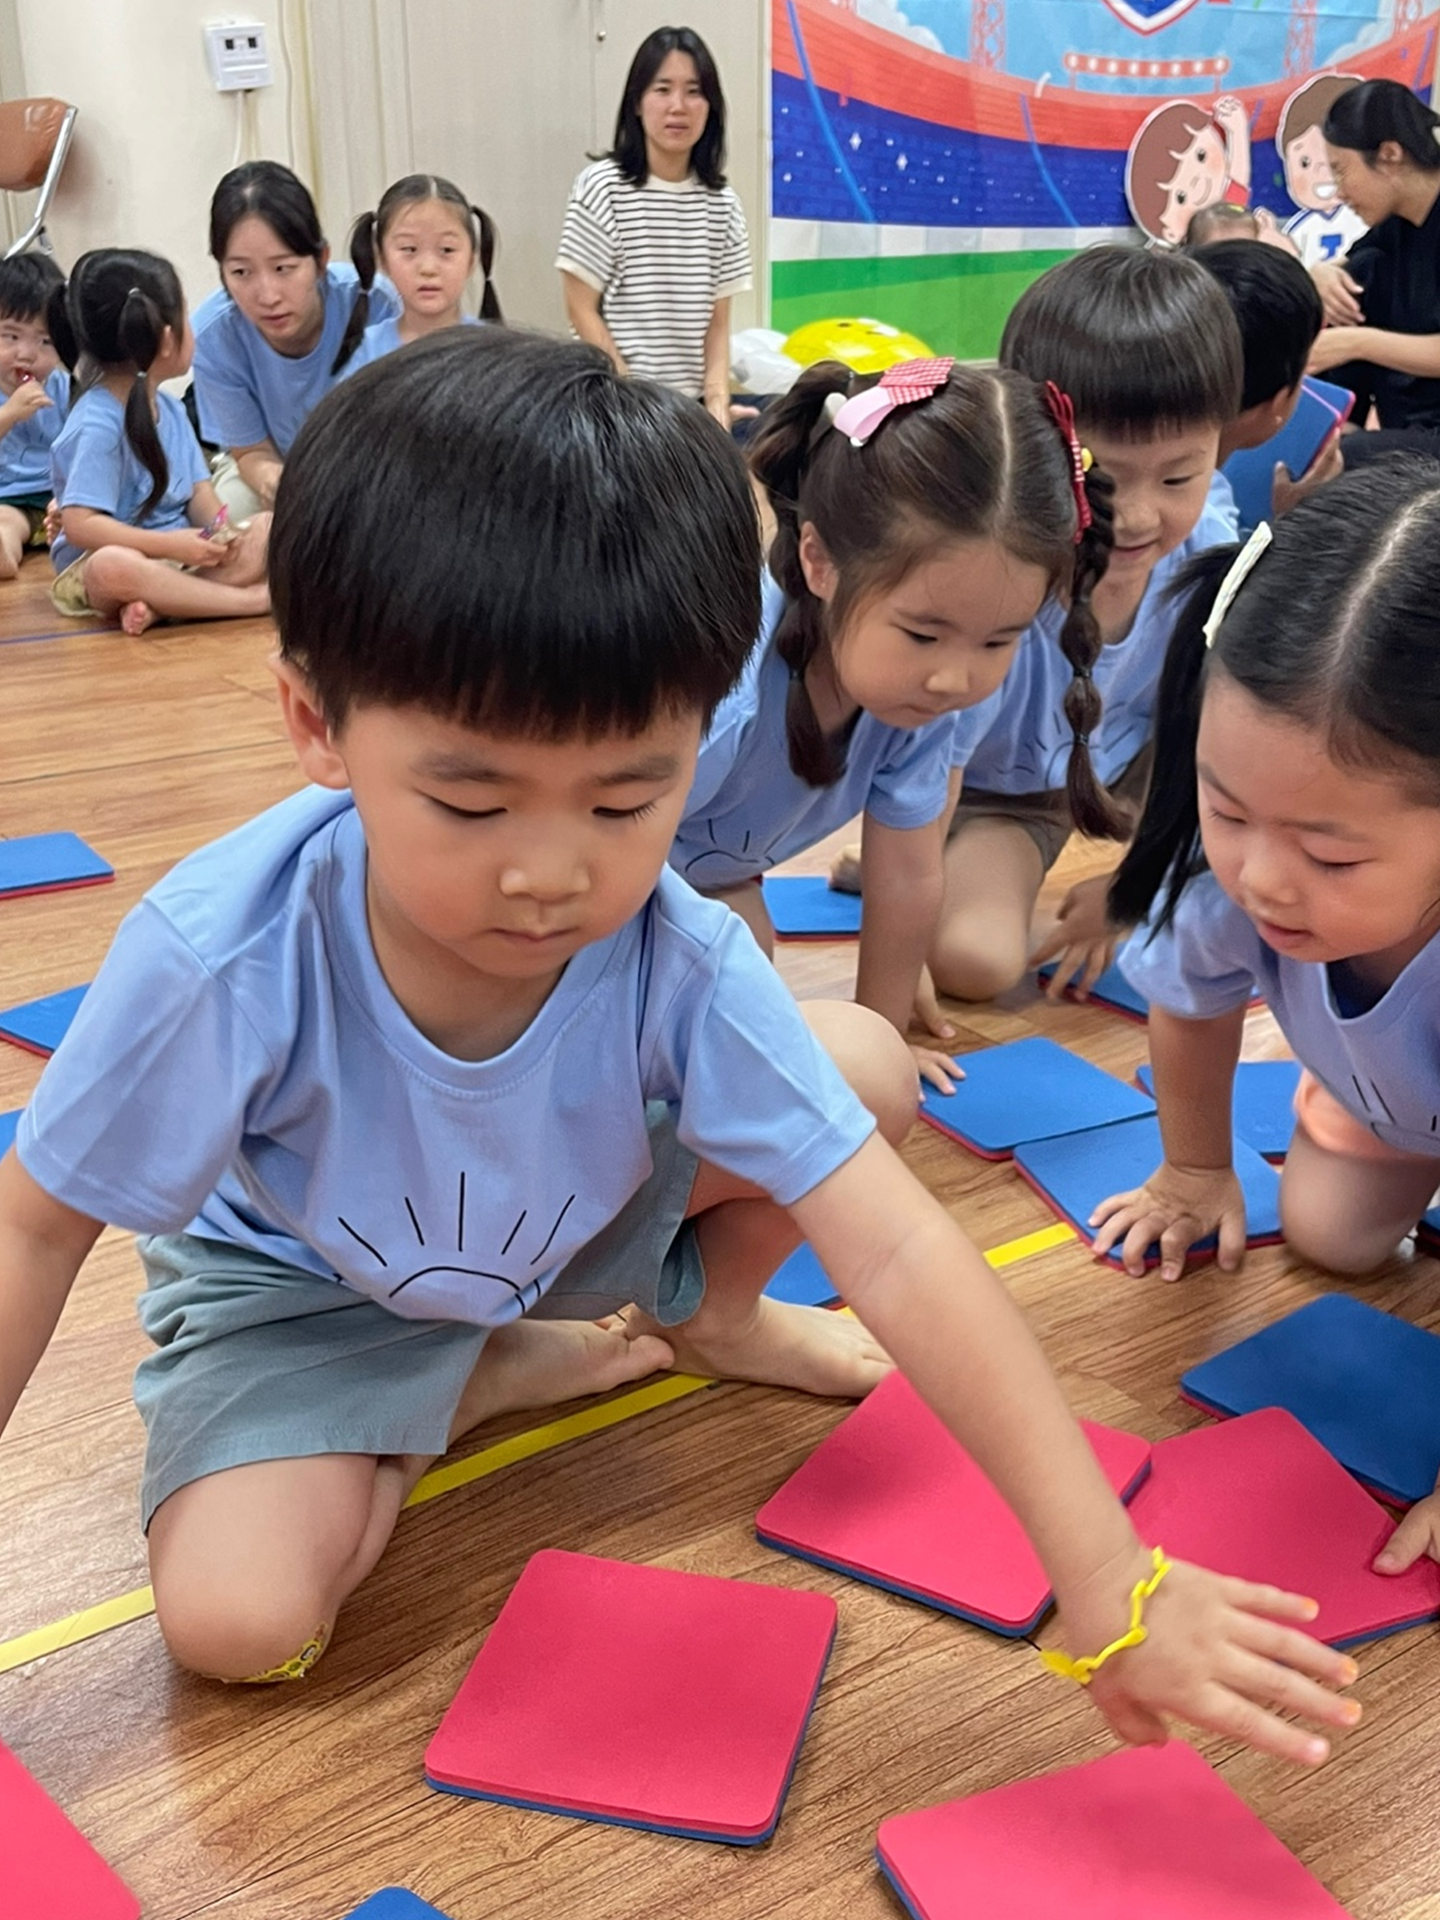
899	386
1062	411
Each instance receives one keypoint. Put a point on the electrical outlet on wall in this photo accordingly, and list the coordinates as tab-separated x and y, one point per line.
238	55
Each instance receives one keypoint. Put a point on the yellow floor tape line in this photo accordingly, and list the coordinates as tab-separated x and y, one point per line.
136	1605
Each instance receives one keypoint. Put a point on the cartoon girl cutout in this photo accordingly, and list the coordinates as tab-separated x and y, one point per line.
1183	158
1325	228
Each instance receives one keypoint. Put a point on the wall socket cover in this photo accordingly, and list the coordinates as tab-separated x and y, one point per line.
238	54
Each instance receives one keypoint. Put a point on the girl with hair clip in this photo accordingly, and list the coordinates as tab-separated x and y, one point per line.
654	244
142	532
1291	843
921	524
278	336
1147	348
427	237
1383	300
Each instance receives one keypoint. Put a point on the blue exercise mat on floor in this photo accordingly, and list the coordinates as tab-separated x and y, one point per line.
1365	1383
40	1025
1111	990
1028	1090
8	1124
48	862
807	907
801	1279
1263	1109
1075	1173
394	1903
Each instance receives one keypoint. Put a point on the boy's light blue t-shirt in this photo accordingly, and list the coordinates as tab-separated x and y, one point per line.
1221	500
246	392
747	810
25	449
94	465
1383	1066
383	338
241	1068
1018	741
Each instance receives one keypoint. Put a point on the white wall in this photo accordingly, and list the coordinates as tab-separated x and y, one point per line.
153	136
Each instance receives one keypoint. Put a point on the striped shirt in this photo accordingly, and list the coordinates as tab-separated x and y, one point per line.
659	256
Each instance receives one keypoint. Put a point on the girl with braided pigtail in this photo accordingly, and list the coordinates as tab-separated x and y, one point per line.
1151	360
922	522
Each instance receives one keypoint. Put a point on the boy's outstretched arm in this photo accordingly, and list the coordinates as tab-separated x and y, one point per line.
1218	1653
42	1247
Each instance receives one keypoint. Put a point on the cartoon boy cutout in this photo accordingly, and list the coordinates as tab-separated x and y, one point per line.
1186	157
1325	228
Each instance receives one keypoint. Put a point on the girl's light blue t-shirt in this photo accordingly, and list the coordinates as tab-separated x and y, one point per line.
94	465
246	392
1383	1066
383	338
241	1069
1018	741
26	448
748	810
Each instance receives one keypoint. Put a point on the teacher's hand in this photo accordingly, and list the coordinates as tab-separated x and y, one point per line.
1339	295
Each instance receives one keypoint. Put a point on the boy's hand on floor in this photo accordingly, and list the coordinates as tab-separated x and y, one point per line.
1178	1206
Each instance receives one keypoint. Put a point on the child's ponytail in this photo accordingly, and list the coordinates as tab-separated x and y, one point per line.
1091	808
485	253
792	432
57	325
1167	839
141	325
362	257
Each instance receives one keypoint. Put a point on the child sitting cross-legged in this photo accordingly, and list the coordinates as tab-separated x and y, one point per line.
414	1078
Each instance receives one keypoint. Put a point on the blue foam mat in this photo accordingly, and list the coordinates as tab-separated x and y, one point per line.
1077	1172
651	1826
43	860
8	1124
42	1024
1365	1383
1263	1109
804	906
1029	1090
801	1280
1319	412
395	1903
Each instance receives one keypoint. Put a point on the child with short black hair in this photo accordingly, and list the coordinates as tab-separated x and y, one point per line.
1279	315
36	397
1148	350
142	534
442	1040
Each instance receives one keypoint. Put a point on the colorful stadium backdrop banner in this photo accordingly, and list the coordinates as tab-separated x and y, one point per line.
928	163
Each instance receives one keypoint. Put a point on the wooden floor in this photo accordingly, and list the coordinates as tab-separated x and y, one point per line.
294	1803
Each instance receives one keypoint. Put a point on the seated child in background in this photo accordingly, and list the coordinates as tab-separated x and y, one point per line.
1291	843
427	238
142	534
441	1041
914	545
37	394
1223	221
1279	315
1147	348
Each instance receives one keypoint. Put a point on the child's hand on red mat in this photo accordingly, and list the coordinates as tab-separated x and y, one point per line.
1418	1533
1177	1206
1218	1654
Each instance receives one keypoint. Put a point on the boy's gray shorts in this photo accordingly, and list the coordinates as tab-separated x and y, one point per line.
256	1360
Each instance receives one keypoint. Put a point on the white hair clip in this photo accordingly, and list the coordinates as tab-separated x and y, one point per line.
833	404
1240	569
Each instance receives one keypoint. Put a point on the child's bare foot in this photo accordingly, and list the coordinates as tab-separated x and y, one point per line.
845	870
538	1363
136	617
780	1345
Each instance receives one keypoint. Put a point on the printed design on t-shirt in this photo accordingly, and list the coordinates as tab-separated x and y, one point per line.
761	859
450	1269
1383	1122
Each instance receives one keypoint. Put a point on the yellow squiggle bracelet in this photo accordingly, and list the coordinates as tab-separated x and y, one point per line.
1082	1672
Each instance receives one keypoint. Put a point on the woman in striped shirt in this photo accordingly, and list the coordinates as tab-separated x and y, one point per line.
654	243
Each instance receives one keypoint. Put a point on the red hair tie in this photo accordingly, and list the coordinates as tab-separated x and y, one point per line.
1062	412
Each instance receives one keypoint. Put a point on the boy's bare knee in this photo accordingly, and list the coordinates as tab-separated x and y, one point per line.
1332	1248
239	1631
874	1059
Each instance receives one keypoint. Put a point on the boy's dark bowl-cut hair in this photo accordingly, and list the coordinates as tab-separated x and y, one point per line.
26	284
1143	342
1277	308
498	528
